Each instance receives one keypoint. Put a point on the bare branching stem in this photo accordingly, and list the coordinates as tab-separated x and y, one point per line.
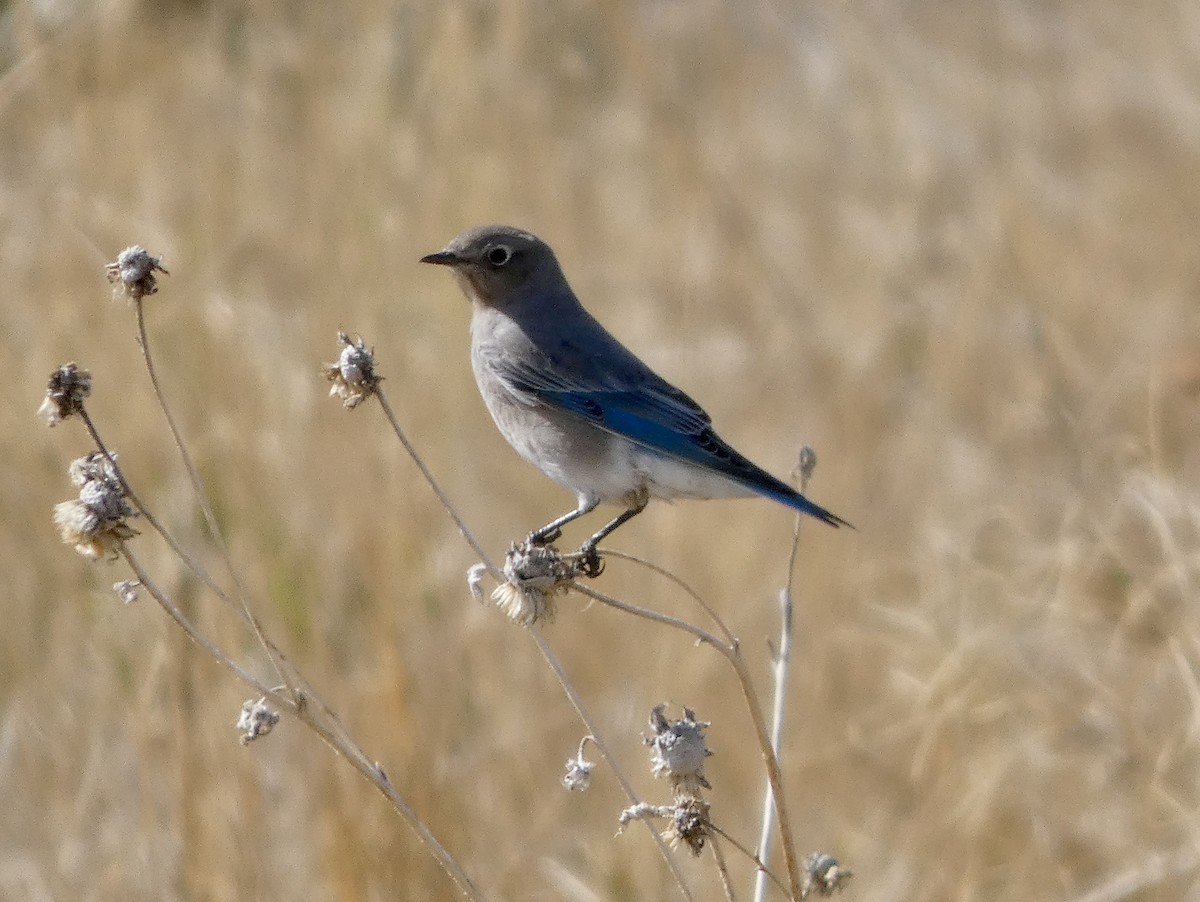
758	863
688	590
210	518
300	703
597	740
780	670
722	869
732	653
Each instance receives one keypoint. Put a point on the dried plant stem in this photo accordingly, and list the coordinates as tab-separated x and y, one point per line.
539	639
298	702
437	489
758	864
691	593
732	653
190	562
722	870
201	496
780	670
597	740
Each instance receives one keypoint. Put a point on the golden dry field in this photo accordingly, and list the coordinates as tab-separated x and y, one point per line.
951	246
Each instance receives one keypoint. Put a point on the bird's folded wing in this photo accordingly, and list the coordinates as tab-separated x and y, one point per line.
653	413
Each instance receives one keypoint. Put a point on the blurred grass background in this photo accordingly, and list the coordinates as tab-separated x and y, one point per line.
951	246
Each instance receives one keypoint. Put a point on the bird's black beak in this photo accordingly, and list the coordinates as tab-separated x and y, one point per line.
442	258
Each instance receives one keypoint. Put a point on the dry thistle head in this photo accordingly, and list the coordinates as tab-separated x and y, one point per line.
65	393
132	275
823	875
678	750
534	575
256	720
94	523
353	376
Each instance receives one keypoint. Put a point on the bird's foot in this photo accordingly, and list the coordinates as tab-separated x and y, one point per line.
591	564
544	536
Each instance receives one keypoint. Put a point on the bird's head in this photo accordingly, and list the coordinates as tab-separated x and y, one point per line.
499	265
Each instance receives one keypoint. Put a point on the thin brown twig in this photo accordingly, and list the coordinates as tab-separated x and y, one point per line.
194	566
781	667
296	701
692	593
722	870
758	863
210	517
433	484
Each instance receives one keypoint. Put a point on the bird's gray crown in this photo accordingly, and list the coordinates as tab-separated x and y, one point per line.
498	265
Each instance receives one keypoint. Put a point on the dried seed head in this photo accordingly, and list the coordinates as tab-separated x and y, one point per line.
132	275
823	875
688	817
94	523
535	574
806	464
579	770
678	750
475	575
689	824
353	376
127	589
67	388
256	720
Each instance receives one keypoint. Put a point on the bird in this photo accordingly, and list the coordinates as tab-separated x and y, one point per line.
576	403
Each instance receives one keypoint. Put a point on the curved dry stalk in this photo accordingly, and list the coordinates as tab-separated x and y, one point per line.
758	863
433	484
296	701
722	870
780	669
732	653
194	566
691	593
210	517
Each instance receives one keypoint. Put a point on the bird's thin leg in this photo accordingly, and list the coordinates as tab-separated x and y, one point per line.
592	565
552	531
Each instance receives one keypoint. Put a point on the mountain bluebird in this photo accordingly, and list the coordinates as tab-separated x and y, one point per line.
577	404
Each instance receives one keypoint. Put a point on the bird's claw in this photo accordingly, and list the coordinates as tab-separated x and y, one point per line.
542	537
591	564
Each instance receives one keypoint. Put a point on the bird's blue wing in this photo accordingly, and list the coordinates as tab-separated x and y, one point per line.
653	413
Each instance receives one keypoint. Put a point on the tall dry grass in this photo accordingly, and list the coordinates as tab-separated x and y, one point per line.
951	246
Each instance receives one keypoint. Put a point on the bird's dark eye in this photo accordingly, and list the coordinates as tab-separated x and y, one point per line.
499	255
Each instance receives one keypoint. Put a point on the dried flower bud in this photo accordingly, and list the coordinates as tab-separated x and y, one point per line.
132	275
823	875
688	816
353	376
256	720
94	523
579	770
678	750
127	589
67	388
535	575
475	575
689	824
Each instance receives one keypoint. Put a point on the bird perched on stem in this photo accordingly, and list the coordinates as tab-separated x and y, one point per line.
580	406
